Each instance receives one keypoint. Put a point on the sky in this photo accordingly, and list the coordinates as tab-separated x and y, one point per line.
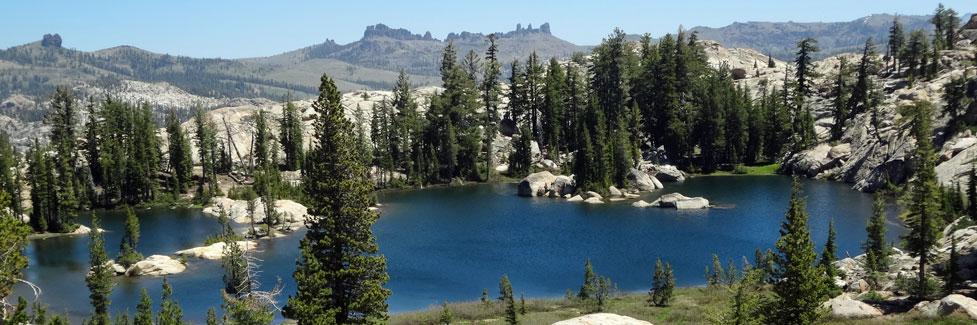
245	28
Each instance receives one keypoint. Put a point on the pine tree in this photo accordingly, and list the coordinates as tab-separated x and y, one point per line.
485	298
662	285
10	179
770	62
446	316
339	277
798	288
955	97
553	102
914	54
921	201
522	303
717	274
99	279
130	238
237	281
13	235
211	316
588	289
63	120
246	310
876	252
180	160
826	262
897	42
508	300
170	312
841	92
490	98
521	159
144	311
950	278
291	130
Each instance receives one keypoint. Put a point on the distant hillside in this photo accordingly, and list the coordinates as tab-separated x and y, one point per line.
375	59
780	39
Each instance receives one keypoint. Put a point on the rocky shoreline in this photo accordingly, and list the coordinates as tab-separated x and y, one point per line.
648	178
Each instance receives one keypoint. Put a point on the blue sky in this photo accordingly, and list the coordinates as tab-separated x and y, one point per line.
236	29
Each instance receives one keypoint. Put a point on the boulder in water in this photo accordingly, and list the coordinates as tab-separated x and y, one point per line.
157	265
640	181
680	202
535	184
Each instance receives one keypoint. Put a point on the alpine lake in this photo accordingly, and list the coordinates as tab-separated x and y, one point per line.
450	243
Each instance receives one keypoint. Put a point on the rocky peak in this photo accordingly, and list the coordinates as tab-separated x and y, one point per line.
51	40
381	30
543	29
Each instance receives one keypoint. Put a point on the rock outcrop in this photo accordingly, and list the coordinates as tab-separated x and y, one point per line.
215	251
291	212
536	184
602	319
640	181
680	202
845	307
667	173
946	306
157	265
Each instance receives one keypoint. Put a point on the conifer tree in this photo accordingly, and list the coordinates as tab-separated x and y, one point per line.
553	103
130	238
950	278
921	201
876	252
798	288
63	120
841	92
522	303
716	275
825	262
206	143
770	62
180	160
13	236
490	98
446	317
237	281
144	310
914	54
291	130
955	97
507	299
10	178
99	278
972	193
170	312
662	285
521	159
588	288
862	98
897	41
339	277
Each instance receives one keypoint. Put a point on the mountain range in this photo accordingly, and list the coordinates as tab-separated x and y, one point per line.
373	62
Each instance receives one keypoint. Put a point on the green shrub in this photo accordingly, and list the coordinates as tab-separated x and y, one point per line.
740	170
242	193
871	296
909	285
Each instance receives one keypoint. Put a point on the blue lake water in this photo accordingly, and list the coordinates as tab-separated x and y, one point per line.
450	243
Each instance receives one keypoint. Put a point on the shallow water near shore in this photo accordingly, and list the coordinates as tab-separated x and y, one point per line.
449	243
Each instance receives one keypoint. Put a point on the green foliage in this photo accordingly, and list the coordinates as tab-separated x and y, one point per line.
951	280
663	284
507	299
291	133
825	263
911	285
247	310
876	252
798	287
587	290
144	310
446	316
237	279
521	159
180	160
10	175
485	298
749	295
923	215
170	312
13	235
207	153
339	277
130	238
99	280
211	316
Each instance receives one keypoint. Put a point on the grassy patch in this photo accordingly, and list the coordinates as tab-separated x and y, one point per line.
690	305
770	169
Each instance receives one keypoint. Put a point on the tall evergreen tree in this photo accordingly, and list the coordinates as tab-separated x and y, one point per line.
521	158
180	160
921	201
798	288
897	42
291	134
10	177
508	300
589	287
826	261
63	122
339	277
99	278
490	98
876	251
554	100
663	284
13	236
130	238
170	312
914	54
840	93
206	143
972	193
144	310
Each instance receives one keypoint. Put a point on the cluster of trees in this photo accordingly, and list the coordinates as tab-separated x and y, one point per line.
917	54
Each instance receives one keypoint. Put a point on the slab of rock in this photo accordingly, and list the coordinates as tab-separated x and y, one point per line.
157	265
593	200
640	181
680	202
575	198
641	204
237	210
614	192
535	184
502	169
668	173
602	319
563	185
216	250
592	194
845	307
953	302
